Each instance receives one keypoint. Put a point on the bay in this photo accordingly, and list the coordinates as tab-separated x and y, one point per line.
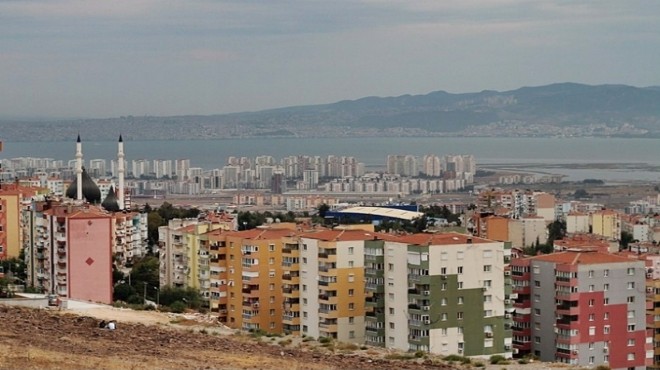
613	159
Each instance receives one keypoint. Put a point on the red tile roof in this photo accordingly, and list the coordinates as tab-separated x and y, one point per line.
581	258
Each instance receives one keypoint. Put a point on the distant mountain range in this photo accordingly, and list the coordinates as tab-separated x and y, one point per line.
563	110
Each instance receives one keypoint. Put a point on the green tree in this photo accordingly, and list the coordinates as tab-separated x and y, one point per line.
556	231
122	292
581	194
626	239
144	271
323	209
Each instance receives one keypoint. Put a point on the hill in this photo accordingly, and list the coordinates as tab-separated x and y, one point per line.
42	339
564	109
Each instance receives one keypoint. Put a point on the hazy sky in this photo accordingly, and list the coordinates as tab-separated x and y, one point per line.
106	58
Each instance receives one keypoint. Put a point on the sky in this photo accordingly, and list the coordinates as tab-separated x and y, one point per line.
99	58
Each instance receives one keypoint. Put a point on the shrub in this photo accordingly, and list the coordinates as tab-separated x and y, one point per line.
284	342
479	364
325	340
178	307
420	354
496	359
308	339
399	356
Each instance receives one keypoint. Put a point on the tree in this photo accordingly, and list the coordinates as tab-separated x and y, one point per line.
323	209
144	271
626	239
556	231
581	194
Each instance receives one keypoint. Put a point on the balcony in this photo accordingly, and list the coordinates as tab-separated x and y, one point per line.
328	313
329	327
328	299
375	288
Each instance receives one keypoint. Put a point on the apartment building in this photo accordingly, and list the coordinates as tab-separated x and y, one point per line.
456	296
582	308
606	223
653	321
255	283
13	200
71	251
332	284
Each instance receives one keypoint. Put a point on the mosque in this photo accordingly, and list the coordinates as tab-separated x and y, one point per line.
80	239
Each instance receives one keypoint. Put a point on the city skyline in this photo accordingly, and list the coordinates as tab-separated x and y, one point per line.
98	59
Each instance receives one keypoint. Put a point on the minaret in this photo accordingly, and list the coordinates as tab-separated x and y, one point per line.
120	172
79	194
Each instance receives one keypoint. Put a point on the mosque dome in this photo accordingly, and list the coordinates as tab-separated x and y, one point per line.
110	203
91	192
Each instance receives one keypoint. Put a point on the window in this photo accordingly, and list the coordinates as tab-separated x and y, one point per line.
537	340
606	329
537	283
488	313
304	260
304	314
271	261
391	325
631	342
460	300
631	327
460	285
631	285
390	266
443	271
488	253
488	283
606	301
537	311
630	299
351	306
591	273
271	286
591	288
591	345
391	310
351	292
592	359
488	268
351	250
631	356
351	334
631	314
459	255
606	273
304	301
592	317
459	315
351	320
443	317
271	273
460	330
272	299
443	302
304	287
488	298
271	247
272	325
350	264
537	297
631	271
351	278
443	286
592	302
271	312
444	256
592	330
390	296
443	331
606	287
606	316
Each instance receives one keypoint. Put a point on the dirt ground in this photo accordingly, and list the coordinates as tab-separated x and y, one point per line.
48	339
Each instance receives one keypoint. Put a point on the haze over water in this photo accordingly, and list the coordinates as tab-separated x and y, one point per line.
523	153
